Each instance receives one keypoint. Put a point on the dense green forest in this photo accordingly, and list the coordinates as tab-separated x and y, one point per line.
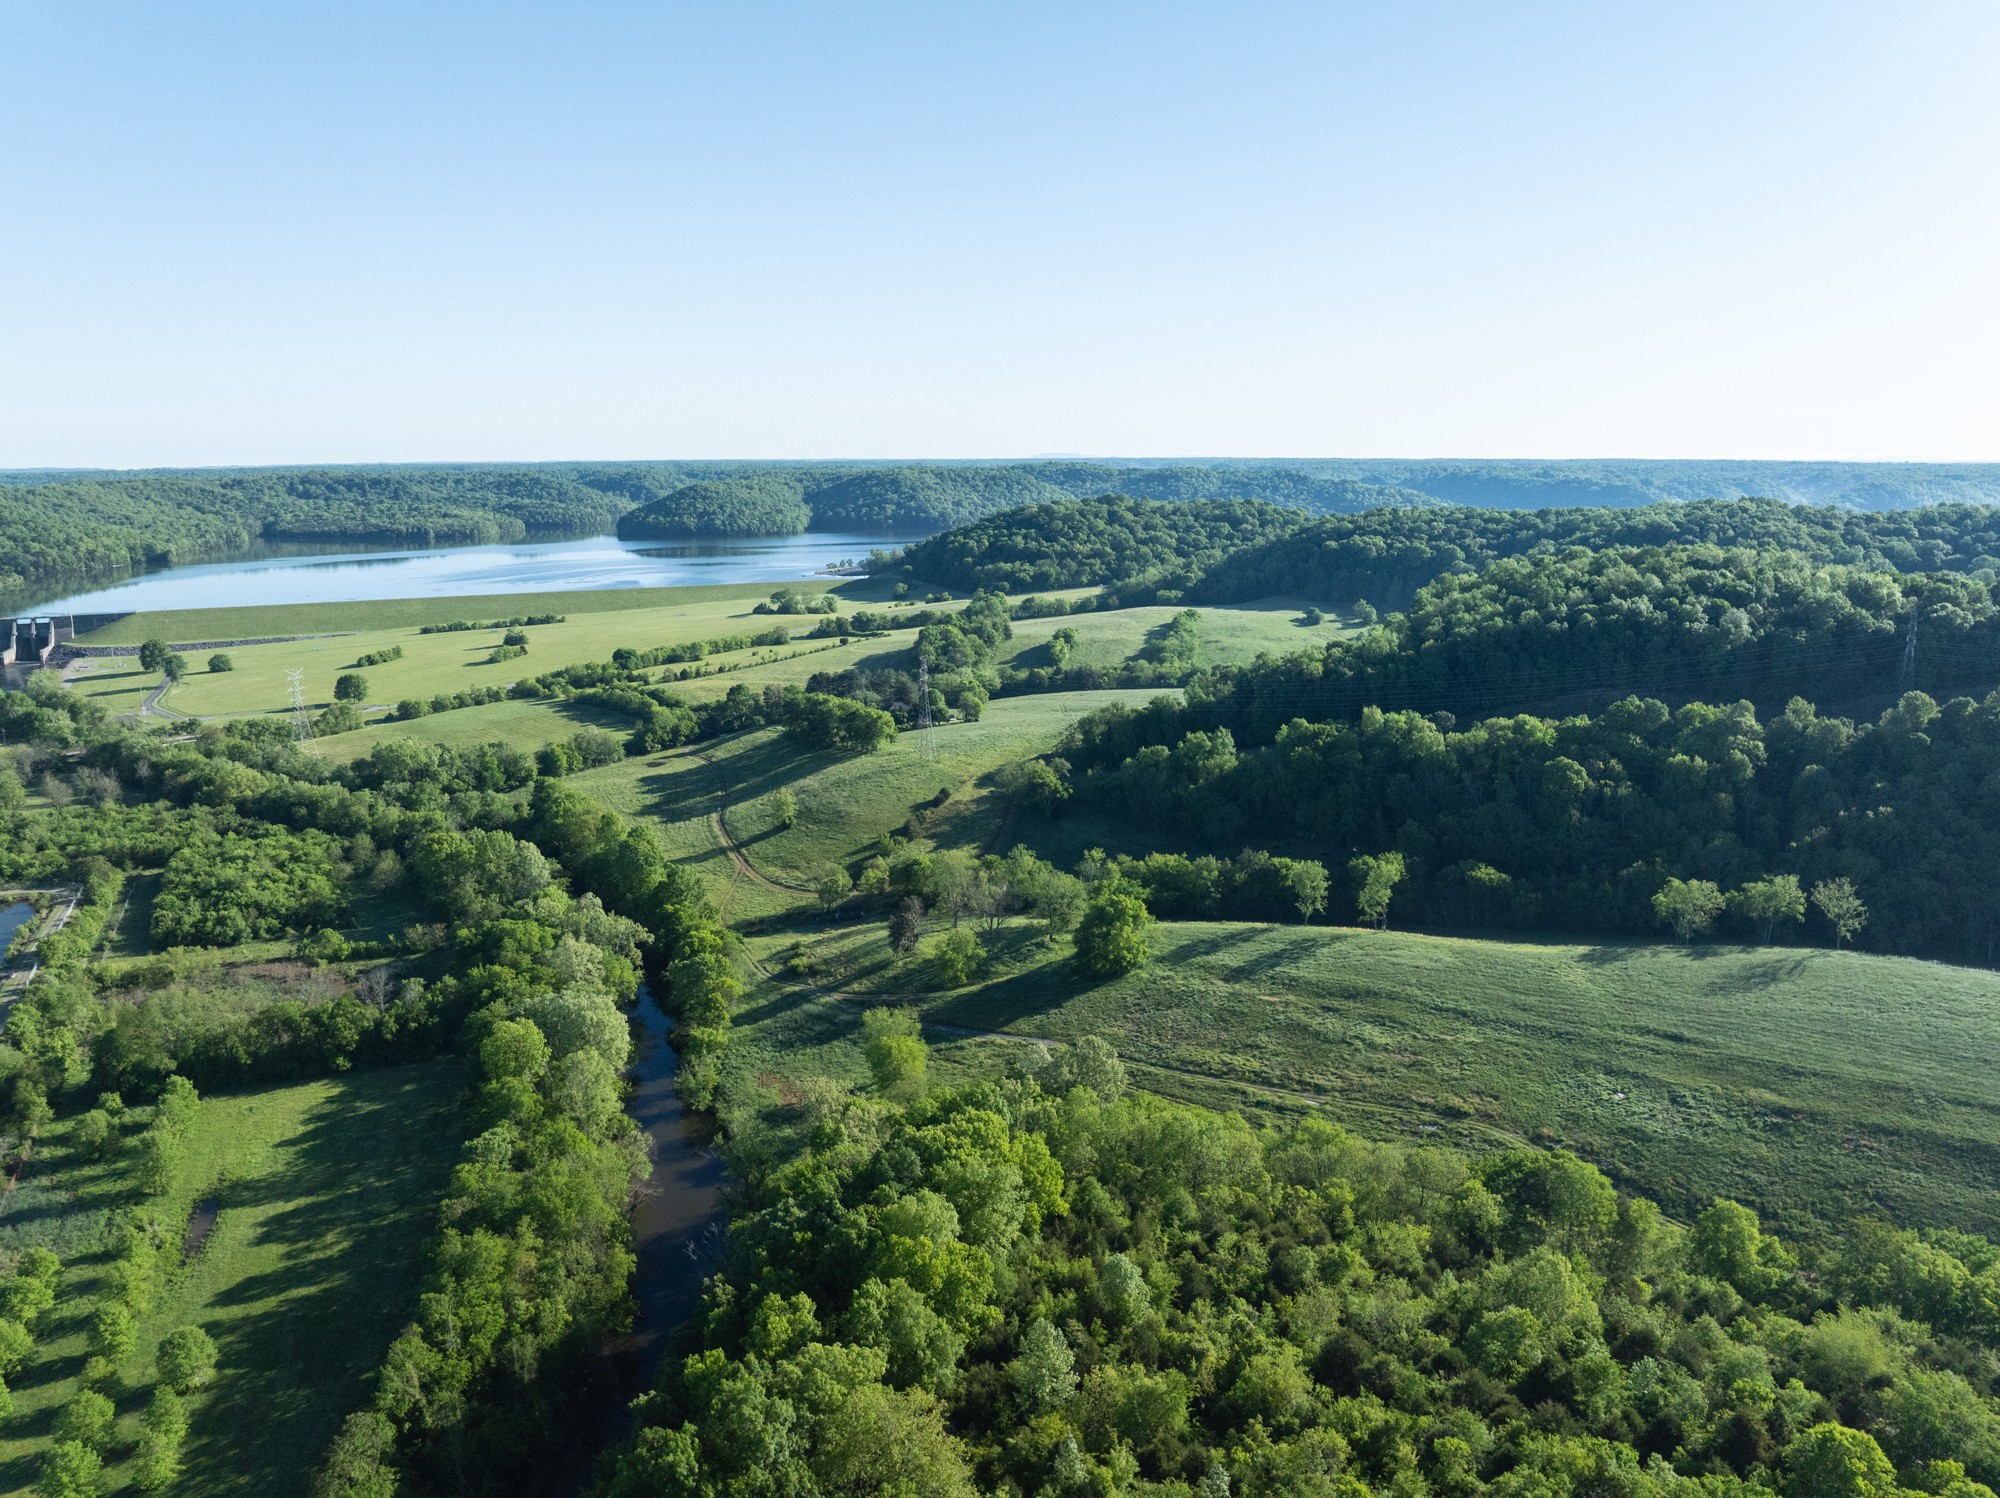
1385	553
1051	1286
1116	541
922	499
1577	824
1678	621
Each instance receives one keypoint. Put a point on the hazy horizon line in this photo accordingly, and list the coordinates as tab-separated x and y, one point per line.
1105	460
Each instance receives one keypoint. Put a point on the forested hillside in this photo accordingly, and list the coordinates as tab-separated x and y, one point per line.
1384	556
1678	621
921	499
1579	822
1533	483
1085	543
1385	553
761	505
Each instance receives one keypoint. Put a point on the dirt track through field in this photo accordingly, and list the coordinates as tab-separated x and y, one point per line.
729	844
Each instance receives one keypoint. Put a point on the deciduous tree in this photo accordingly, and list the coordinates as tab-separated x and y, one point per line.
1688	906
1837	900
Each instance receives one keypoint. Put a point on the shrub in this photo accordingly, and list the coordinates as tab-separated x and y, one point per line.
159	1453
186	1359
70	1470
87	1418
895	1051
1111	937
958	955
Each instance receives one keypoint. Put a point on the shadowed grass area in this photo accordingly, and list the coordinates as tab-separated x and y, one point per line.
1820	1086
326	1192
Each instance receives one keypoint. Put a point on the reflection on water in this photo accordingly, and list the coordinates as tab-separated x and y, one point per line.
340	576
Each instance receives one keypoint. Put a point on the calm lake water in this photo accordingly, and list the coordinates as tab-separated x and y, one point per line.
450	571
12	918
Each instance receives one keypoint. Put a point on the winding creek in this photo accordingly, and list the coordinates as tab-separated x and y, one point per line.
677	1238
678	1220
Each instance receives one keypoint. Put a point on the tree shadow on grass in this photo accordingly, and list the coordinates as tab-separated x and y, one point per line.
1211	943
1282	954
1008	1001
780	762
784	999
348	1207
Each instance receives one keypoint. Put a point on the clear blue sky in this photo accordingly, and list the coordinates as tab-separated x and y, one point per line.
286	232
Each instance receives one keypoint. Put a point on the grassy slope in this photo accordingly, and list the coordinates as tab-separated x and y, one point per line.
329	1190
845	801
1229	637
526	724
1819	1085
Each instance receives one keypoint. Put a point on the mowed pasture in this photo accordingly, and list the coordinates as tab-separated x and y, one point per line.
327	1191
266	620
431	664
1820	1086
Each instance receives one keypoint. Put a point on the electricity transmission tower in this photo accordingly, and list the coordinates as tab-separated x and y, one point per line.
1906	677
924	707
302	728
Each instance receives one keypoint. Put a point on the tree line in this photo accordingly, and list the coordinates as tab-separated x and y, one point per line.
1578	823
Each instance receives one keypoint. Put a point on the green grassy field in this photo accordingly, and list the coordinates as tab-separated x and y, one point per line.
845	802
527	724
1819	1085
266	620
1229	636
327	1190
431	663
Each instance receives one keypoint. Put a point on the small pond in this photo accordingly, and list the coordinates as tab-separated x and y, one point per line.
12	918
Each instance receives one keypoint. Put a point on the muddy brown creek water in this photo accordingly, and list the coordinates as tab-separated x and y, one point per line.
677	1236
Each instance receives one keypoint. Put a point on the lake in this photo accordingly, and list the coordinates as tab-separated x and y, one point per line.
340	576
